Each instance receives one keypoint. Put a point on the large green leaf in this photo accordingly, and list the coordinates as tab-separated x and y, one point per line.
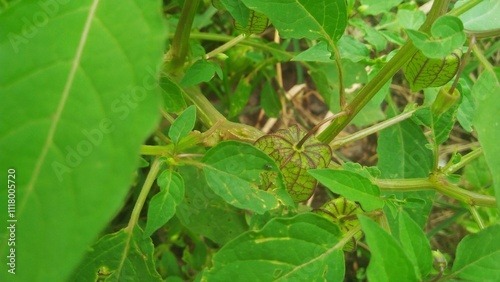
121	256
81	95
241	174
310	19
162	206
294	162
478	256
388	260
374	7
302	248
485	120
352	186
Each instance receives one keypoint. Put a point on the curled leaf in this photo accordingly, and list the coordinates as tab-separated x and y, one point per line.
293	161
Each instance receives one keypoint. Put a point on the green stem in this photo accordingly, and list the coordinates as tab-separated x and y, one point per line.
370	130
463	161
464	8
180	42
438	183
476	217
386	73
150	179
225	46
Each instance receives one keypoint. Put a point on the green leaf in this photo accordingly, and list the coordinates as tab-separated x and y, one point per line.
295	162
205	213
375	7
183	124
240	97
162	205
415	244
352	49
372	112
200	71
121	256
477	173
172	96
483	16
447	35
466	109
316	53
256	23
78	110
372	35
238	10
388	260
302	248
402	154
351	185
486	122
235	170
478	255
422	72
440	125
270	101
411	19
305	18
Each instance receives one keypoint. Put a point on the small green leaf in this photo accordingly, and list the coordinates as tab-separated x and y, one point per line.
411	19
415	244
316	53
200	71
204	212
183	124
302	248
388	259
351	185
303	18
270	101
121	256
352	49
447	35
235	170
372	35
486	122
423	72
172	96
294	162
477	173
478	256
162	205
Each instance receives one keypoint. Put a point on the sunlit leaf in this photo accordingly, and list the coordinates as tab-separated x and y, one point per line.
294	162
79	91
182	125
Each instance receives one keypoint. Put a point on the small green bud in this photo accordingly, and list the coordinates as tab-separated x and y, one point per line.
222	56
444	100
440	262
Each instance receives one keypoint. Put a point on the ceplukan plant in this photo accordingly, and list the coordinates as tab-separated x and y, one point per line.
133	162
